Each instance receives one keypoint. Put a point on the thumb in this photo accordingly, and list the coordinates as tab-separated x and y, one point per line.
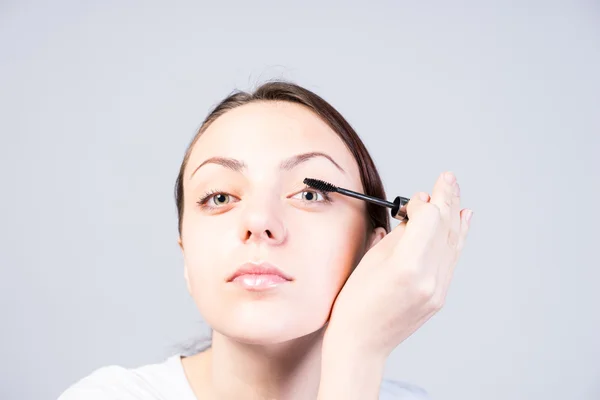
416	209
416	202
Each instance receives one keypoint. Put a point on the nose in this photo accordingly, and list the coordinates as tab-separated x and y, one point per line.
261	222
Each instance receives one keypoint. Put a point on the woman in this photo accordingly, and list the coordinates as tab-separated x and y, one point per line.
307	293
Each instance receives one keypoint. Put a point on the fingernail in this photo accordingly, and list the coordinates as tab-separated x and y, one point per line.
468	217
450	178
457	190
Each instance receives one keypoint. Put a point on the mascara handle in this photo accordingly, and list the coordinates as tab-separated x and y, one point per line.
399	209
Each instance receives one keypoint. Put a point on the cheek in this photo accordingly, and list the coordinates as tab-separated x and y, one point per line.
206	245
334	252
327	257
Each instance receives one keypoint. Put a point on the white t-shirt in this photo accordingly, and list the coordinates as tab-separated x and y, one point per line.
167	381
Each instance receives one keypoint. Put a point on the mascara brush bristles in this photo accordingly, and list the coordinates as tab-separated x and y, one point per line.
321	185
328	187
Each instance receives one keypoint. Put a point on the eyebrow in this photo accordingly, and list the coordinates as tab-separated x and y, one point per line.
286	165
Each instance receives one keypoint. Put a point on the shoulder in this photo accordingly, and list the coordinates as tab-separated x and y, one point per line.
396	390
104	383
162	380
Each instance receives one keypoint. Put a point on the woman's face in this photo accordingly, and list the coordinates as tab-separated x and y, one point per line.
262	212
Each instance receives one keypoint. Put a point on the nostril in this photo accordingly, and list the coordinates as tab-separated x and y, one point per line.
268	233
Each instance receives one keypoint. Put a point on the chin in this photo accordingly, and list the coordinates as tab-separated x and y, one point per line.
265	329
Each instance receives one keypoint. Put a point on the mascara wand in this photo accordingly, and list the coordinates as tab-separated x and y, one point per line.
398	206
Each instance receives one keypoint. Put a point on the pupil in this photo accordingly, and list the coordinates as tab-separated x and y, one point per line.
221	198
309	195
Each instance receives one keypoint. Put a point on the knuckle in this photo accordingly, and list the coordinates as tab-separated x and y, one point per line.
426	291
448	200
455	201
437	303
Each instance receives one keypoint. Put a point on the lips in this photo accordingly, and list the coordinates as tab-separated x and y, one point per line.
261	269
260	276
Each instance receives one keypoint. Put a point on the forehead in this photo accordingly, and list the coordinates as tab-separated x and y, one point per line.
263	133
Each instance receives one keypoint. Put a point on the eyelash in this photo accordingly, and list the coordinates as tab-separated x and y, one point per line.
202	202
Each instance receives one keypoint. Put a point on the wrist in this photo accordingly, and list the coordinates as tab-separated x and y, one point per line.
338	340
349	372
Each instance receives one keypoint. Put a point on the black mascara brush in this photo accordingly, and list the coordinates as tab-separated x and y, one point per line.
398	206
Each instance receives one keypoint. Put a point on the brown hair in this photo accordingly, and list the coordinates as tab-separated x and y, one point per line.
290	92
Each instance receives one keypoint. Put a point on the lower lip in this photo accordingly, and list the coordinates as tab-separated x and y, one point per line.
260	281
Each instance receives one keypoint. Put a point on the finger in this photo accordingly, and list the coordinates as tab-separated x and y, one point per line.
391	239
445	275
415	205
423	220
445	193
424	197
415	200
465	223
455	219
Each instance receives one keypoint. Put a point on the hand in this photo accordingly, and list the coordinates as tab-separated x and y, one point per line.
402	280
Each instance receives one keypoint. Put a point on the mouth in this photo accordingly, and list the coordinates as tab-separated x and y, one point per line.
260	276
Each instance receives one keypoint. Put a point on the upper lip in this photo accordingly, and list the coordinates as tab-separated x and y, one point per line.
262	268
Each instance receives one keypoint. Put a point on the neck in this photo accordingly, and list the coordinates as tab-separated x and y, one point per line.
233	370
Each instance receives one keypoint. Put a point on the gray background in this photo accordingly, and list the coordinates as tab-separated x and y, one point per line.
98	102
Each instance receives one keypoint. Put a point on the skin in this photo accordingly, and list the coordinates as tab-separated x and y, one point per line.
314	337
397	287
268	344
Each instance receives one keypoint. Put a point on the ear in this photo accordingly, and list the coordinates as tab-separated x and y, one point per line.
185	269
376	235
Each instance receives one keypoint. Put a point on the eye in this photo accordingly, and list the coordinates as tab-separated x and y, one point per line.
220	198
312	196
214	199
